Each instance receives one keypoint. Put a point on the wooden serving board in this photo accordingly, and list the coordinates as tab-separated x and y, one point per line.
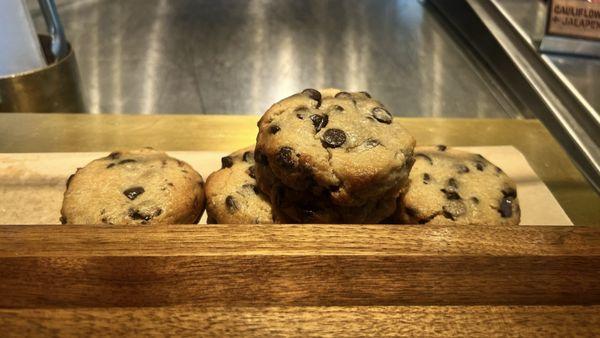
32	184
266	280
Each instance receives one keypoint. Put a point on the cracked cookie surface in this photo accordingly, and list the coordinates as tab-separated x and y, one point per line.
449	186
142	186
232	195
342	146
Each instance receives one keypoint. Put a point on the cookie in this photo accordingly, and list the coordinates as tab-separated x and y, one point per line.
142	186
232	195
343	146
310	207
450	186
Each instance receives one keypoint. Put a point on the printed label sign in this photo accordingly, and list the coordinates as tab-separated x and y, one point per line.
575	18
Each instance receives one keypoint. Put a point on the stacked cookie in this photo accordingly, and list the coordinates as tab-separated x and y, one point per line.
330	157
338	157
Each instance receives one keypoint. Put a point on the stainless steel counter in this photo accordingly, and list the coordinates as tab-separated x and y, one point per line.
189	56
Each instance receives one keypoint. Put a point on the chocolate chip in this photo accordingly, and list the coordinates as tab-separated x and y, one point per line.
231	204
509	192
343	95
498	170
285	157
63	220
127	161
441	147
462	169
426	178
452	183
300	116
479	166
333	138
110	165
261	158
251	172
114	155
313	94
135	214
226	162
450	190
475	200
69	180
450	193
134	192
319	121
274	129
425	157
506	207
170	184
372	143
448	215
382	115
248	157
366	94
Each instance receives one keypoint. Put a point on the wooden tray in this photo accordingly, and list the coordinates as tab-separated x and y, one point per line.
265	280
32	184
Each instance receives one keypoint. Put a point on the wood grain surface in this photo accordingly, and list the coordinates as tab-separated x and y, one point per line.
296	240
372	321
287	265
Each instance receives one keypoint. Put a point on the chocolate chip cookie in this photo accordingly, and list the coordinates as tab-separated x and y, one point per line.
142	186
315	207
450	186
342	146
232	195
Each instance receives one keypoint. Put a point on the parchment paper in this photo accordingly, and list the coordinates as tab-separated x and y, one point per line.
32	184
